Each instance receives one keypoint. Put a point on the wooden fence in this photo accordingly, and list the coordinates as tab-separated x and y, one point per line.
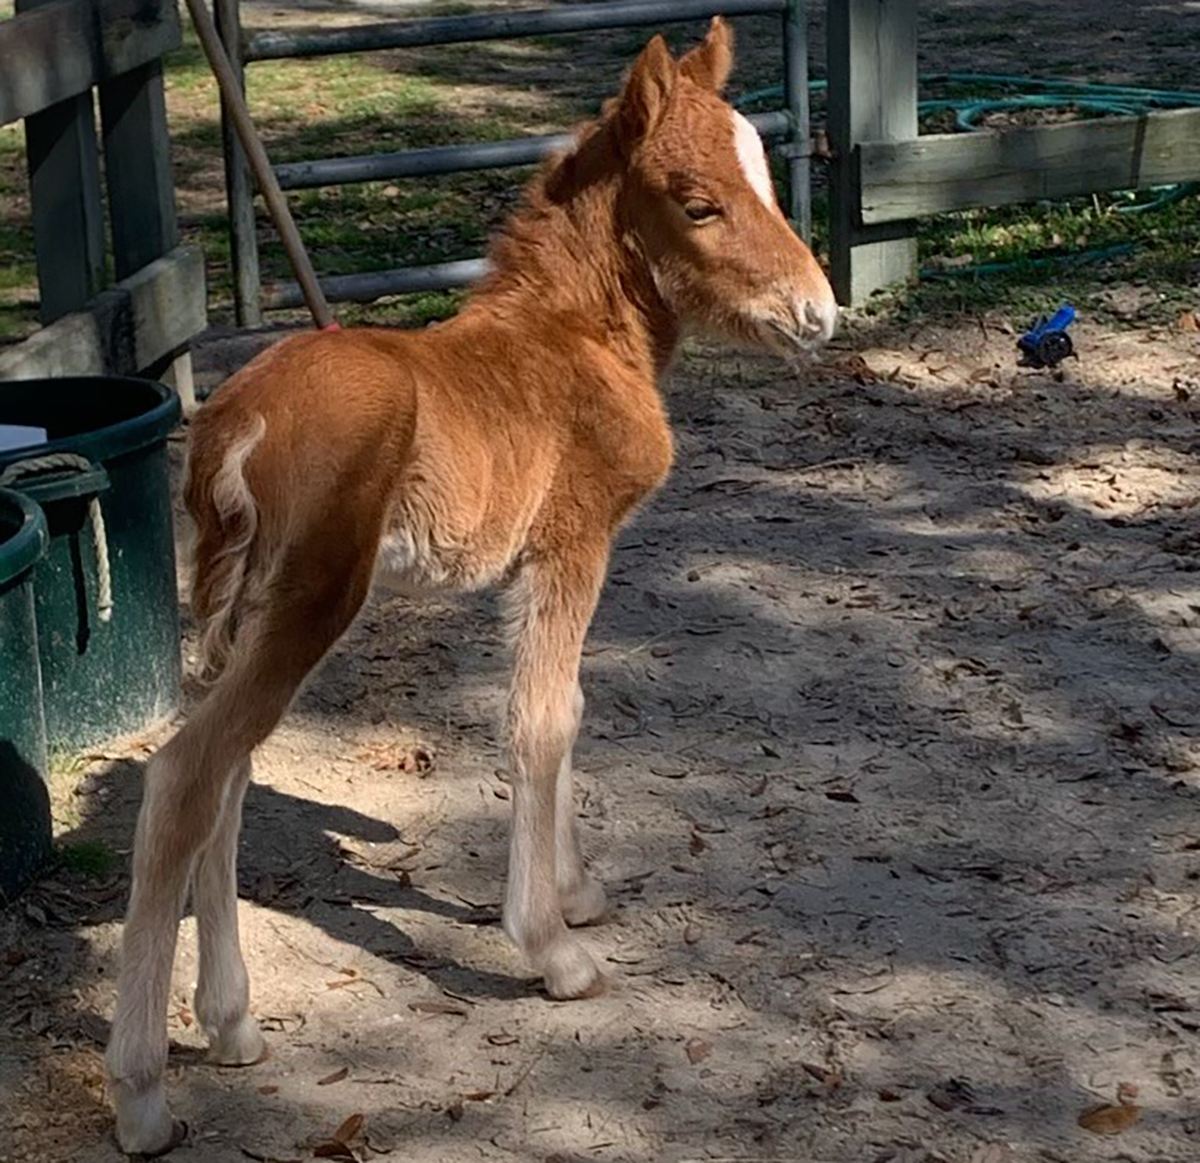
883	174
787	127
132	311
137	311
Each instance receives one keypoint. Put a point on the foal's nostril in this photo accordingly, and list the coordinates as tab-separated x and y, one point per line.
815	318
822	318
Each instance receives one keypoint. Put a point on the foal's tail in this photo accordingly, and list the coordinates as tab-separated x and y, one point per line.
225	512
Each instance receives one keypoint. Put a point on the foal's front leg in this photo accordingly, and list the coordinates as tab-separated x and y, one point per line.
581	896
553	603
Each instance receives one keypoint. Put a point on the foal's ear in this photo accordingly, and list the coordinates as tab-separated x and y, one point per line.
710	62
647	91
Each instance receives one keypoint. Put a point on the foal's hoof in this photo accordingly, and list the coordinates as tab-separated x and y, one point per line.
179	1134
570	973
144	1125
240	1045
586	905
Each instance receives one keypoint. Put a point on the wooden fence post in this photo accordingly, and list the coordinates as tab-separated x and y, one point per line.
67	209
239	190
872	97
137	166
141	189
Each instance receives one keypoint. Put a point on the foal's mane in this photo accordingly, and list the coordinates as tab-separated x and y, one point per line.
564	215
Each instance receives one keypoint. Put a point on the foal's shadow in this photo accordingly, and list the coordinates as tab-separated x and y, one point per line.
291	861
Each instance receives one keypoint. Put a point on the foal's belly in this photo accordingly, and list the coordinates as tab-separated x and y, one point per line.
412	563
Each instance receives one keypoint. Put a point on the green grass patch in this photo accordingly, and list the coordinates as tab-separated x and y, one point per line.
380	102
90	858
1036	257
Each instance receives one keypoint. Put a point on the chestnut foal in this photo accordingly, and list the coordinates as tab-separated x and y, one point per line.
504	447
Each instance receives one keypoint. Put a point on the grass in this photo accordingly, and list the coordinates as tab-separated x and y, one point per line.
379	102
90	858
1166	243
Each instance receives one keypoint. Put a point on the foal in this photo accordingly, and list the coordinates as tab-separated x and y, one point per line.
504	447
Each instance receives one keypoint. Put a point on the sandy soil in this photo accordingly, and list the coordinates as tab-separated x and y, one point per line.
891	765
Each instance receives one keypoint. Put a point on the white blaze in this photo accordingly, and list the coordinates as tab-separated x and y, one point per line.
753	158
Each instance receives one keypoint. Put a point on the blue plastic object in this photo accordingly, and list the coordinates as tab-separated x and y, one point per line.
1046	343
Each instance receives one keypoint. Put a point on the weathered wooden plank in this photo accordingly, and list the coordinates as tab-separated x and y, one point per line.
872	97
57	50
955	171
28	42
124	330
135	32
64	191
137	166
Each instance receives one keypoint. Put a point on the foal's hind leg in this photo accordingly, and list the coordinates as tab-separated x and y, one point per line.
186	788
553	601
223	990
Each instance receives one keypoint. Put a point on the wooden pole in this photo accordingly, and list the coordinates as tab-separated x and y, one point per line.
239	185
872	97
260	166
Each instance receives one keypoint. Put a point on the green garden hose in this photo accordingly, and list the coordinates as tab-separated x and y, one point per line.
1123	100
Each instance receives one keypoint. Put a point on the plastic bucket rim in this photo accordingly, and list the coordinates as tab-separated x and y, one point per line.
48	489
20	552
132	435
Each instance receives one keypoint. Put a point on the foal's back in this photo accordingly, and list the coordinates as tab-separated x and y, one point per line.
452	449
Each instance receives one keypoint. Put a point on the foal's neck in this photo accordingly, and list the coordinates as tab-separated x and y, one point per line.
567	256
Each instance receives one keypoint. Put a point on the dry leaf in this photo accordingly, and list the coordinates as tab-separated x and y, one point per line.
697	844
697	1050
1107	1119
349	1128
993	1153
952	1094
259	1157
333	1150
437	1007
416	758
336	1076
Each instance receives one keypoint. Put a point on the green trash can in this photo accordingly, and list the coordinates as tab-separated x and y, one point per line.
24	800
105	593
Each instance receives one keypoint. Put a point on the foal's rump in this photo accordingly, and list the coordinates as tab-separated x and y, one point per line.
284	475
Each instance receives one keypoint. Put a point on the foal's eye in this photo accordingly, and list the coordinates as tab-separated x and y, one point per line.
700	212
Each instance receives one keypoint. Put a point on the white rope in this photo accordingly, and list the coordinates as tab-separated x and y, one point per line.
59	460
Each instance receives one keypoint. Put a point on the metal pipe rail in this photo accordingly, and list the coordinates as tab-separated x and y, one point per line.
365	288
789	125
438	30
455	159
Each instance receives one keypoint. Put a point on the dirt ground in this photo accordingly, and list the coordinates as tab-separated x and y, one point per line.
891	765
